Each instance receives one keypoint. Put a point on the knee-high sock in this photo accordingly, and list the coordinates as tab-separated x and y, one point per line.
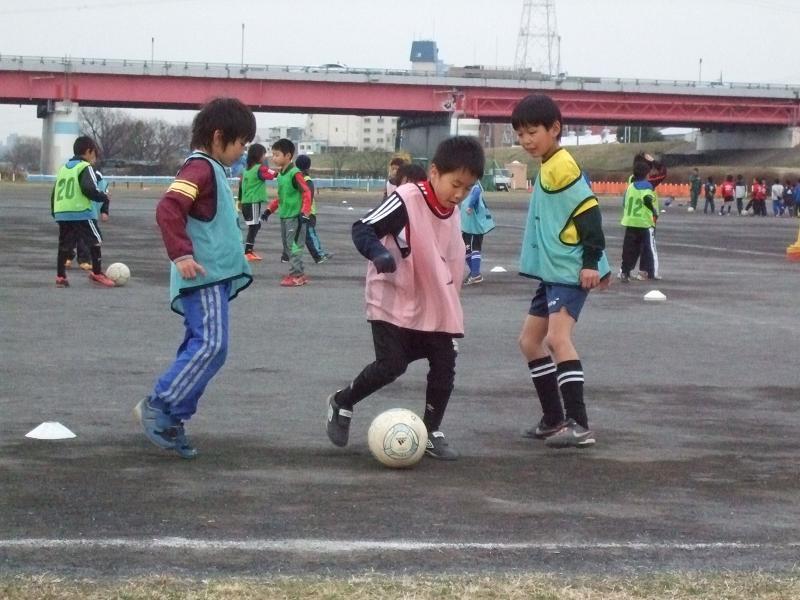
543	375
570	382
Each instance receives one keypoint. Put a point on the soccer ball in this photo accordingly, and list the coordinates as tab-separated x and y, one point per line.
397	438
119	273
690	209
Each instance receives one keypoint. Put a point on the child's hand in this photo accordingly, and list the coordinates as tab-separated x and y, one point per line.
104	217
604	284
590	279
470	211
189	269
384	262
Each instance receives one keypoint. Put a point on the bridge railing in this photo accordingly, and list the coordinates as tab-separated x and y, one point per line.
475	75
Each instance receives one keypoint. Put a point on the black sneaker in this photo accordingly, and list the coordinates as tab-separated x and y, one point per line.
571	435
338	422
542	431
438	447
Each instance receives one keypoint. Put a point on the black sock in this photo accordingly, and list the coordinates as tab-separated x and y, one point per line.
435	405
543	375
96	266
63	257
570	382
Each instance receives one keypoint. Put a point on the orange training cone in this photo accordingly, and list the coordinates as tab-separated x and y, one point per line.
793	251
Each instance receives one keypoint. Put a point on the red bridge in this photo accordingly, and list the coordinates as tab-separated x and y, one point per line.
489	96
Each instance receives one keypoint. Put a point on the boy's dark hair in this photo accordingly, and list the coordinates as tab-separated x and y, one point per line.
729	178
255	154
397	160
641	167
285	146
536	109
411	172
82	145
229	115
303	162
459	152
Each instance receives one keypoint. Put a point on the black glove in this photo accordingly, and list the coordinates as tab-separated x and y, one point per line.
384	262
265	215
304	219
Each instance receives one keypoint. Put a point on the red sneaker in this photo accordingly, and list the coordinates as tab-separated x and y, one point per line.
294	280
61	282
101	279
252	256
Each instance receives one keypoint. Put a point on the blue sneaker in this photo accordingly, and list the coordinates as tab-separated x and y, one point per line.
162	430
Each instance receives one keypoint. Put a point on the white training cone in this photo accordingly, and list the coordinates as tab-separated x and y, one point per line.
654	296
344	201
349	208
50	431
498	270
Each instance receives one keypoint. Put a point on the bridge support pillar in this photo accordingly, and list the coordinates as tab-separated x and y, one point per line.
419	136
60	127
755	138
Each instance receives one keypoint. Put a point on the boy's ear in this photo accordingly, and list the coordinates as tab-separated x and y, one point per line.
556	128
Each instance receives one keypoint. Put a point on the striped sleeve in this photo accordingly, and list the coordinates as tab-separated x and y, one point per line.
389	218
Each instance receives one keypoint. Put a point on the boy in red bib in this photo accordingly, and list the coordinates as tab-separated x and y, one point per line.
416	252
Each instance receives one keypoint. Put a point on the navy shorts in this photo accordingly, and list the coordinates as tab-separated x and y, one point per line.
549	298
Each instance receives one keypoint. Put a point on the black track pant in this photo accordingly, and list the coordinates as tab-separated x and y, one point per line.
395	349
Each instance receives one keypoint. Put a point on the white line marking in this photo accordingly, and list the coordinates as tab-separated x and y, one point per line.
338	546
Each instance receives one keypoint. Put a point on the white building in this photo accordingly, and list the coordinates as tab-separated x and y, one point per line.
349	132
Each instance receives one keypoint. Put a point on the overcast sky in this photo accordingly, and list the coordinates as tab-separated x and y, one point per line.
742	40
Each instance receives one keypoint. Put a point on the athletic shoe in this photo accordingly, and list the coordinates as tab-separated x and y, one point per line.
101	279
284	258
182	445
542	430
641	277
571	435
473	279
323	258
160	429
294	280
86	266
623	277
338	426
68	263
61	282
252	256
438	447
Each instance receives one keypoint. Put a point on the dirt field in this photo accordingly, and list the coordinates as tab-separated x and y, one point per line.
693	402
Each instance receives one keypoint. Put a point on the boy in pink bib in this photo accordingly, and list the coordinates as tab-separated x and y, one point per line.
416	252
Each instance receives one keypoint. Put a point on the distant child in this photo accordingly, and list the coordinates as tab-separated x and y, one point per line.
648	258
564	248
710	190
391	180
739	193
413	242
199	226
476	221
695	186
639	216
252	193
728	191
73	204
313	242
777	197
294	209
788	199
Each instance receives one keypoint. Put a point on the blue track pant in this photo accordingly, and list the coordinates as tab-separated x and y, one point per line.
200	356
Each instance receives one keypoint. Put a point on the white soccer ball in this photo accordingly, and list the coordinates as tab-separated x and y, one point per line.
397	438
690	209
119	273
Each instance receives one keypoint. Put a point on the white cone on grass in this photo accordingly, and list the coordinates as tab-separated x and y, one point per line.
498	269
654	296
50	430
